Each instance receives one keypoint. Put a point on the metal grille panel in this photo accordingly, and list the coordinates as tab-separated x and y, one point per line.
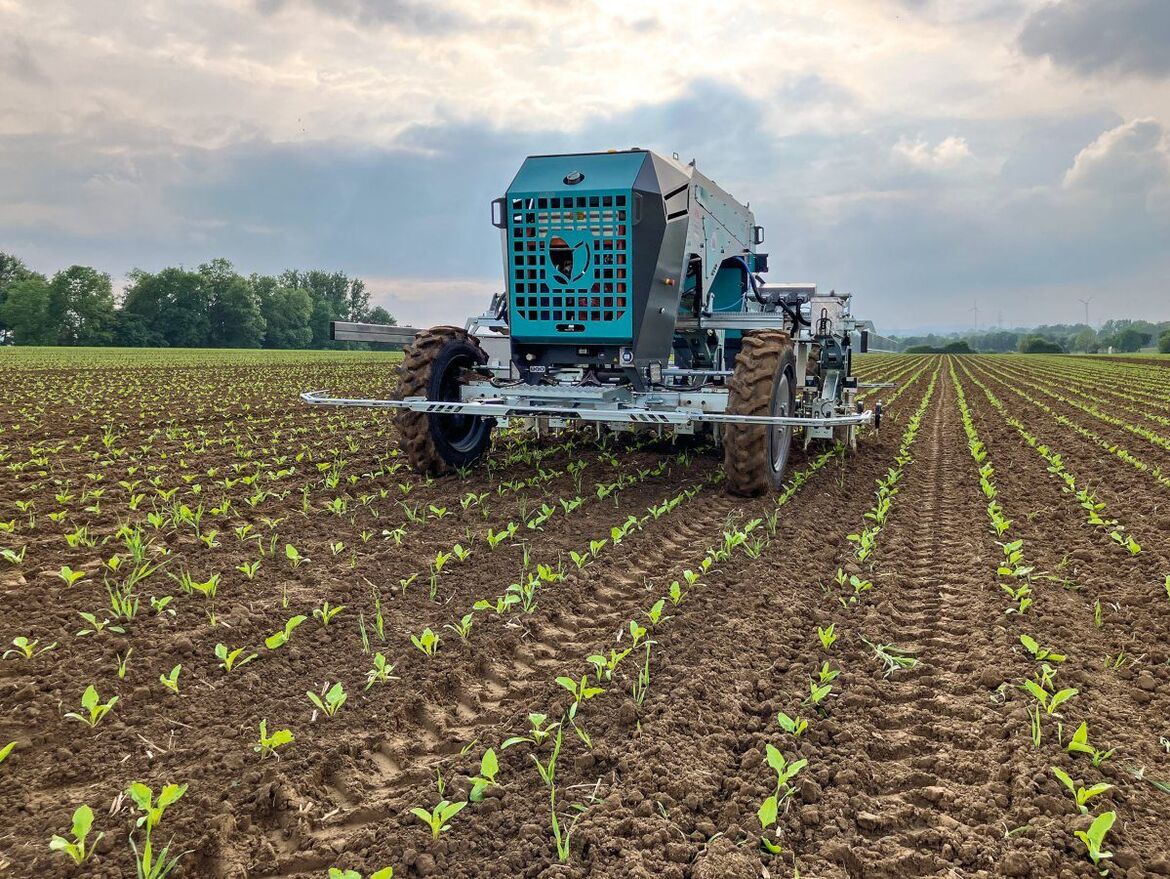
570	266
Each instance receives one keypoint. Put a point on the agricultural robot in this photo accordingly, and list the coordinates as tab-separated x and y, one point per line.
633	299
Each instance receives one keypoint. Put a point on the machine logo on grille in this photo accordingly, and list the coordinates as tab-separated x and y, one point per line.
570	254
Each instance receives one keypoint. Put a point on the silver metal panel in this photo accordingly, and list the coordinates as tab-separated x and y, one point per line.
501	408
345	331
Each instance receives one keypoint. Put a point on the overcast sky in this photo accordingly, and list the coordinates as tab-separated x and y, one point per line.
926	154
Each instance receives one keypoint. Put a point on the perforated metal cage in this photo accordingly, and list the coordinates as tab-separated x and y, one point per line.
570	266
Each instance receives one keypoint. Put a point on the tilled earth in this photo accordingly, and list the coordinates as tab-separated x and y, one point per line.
926	770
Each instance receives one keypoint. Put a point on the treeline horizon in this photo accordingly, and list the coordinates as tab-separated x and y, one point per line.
212	306
1123	336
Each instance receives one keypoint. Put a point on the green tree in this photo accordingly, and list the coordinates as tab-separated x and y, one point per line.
172	304
1164	343
286	312
1129	340
81	304
1035	344
12	269
235	320
25	312
1085	340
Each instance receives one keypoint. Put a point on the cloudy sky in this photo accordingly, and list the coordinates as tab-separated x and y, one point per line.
929	155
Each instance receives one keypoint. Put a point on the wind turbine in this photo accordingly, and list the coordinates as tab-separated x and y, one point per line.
1085	302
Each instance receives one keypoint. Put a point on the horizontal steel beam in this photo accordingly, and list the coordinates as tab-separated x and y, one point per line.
500	408
346	331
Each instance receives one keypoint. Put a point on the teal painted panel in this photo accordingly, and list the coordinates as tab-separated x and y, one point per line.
546	174
570	265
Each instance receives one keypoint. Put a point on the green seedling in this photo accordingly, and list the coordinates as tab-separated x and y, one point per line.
69	575
121	660
148	865
335	697
6	750
77	848
293	555
488	767
580	690
426	641
463	627
249	569
1079	744
381	673
1094	837
439	817
1050	701
384	873
604	666
827	674
279	639
794	726
548	769
1040	654
1080	793
676	594
326	612
24	648
817	694
230	659
171	681
93	707
267	744
827	636
536	734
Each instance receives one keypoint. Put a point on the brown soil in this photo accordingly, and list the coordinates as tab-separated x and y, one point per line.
927	771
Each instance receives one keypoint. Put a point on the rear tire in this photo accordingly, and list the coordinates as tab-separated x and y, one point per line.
764	383
434	367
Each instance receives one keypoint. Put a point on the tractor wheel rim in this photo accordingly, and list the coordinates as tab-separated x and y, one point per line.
780	438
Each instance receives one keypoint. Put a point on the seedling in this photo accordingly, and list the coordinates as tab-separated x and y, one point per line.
794	726
230	659
381	673
23	647
335	697
536	735
6	750
818	693
1040	654
267	744
827	636
69	575
279	639
326	612
1079	744
77	848
1050	702
1081	794
149	866
488	767
249	569
171	681
384	873
463	627
426	641
93	707
1094	837
603	666
439	817
121	662
293	555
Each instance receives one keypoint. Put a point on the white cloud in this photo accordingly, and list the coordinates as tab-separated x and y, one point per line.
950	152
1133	158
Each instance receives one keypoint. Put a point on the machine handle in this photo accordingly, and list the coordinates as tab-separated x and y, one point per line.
499	218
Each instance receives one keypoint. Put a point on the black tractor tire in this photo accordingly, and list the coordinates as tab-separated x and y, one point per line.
434	367
764	383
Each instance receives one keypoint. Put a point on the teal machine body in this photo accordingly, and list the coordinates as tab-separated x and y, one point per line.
605	252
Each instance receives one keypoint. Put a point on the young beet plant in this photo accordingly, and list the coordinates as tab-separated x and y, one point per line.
1094	837
267	744
384	873
1081	794
93	707
334	698
230	659
150	865
76	848
769	810
438	819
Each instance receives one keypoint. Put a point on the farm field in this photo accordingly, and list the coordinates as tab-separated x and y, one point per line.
945	654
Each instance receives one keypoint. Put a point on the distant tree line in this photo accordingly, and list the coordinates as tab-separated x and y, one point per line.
1122	336
213	306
